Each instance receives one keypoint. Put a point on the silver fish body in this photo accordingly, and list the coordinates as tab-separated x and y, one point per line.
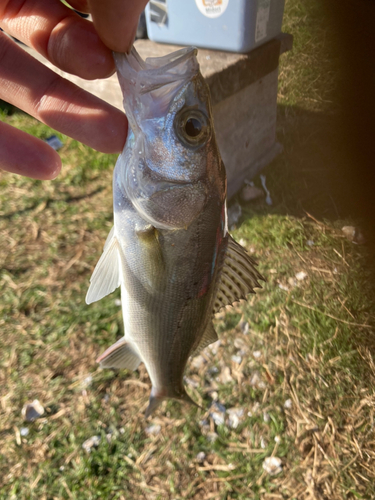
169	249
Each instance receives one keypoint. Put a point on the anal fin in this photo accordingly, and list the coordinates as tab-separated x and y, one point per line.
120	355
209	337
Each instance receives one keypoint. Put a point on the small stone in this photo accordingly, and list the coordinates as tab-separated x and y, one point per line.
255	379
225	377
257	354
250	193
212	437
24	431
214	346
292	282
272	465
191	382
213	370
32	411
201	457
288	404
301	275
234	214
218	406
283	287
118	302
354	234
214	395
198	361
244	325
92	442
236	359
153	429
235	416
204	424
218	418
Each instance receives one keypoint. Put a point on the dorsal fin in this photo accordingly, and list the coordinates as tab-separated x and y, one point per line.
238	277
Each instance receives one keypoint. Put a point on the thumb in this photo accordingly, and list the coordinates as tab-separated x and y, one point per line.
116	21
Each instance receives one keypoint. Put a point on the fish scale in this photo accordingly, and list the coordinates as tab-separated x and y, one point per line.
169	249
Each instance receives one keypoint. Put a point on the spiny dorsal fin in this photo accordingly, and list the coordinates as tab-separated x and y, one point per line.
238	277
120	355
209	336
106	276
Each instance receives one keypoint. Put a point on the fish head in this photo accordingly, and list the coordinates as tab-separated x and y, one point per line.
171	163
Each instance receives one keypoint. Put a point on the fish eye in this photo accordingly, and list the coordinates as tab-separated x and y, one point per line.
192	127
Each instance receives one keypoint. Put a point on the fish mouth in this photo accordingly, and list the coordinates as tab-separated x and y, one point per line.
155	72
149	86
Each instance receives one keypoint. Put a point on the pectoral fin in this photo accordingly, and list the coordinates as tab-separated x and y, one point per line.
120	355
152	255
106	276
238	277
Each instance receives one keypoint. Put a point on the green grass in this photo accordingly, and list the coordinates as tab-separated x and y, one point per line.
309	343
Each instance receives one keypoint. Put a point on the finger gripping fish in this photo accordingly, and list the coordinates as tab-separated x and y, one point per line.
169	248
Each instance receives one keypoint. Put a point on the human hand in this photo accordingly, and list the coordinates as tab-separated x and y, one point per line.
76	46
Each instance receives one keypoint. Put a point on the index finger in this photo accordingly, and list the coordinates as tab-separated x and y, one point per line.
116	21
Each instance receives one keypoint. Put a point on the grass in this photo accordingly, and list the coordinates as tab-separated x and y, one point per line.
294	363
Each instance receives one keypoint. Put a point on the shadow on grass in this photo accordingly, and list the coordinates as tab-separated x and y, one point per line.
312	174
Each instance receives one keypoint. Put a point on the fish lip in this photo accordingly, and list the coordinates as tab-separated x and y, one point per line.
155	72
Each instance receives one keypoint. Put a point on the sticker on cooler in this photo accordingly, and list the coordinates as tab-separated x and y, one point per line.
212	8
263	15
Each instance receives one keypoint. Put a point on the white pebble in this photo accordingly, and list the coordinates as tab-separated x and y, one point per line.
24	431
257	354
288	404
272	465
236	359
201	457
153	429
212	437
301	275
218	418
32	411
90	443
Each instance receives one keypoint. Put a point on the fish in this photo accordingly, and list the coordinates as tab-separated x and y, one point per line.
169	248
